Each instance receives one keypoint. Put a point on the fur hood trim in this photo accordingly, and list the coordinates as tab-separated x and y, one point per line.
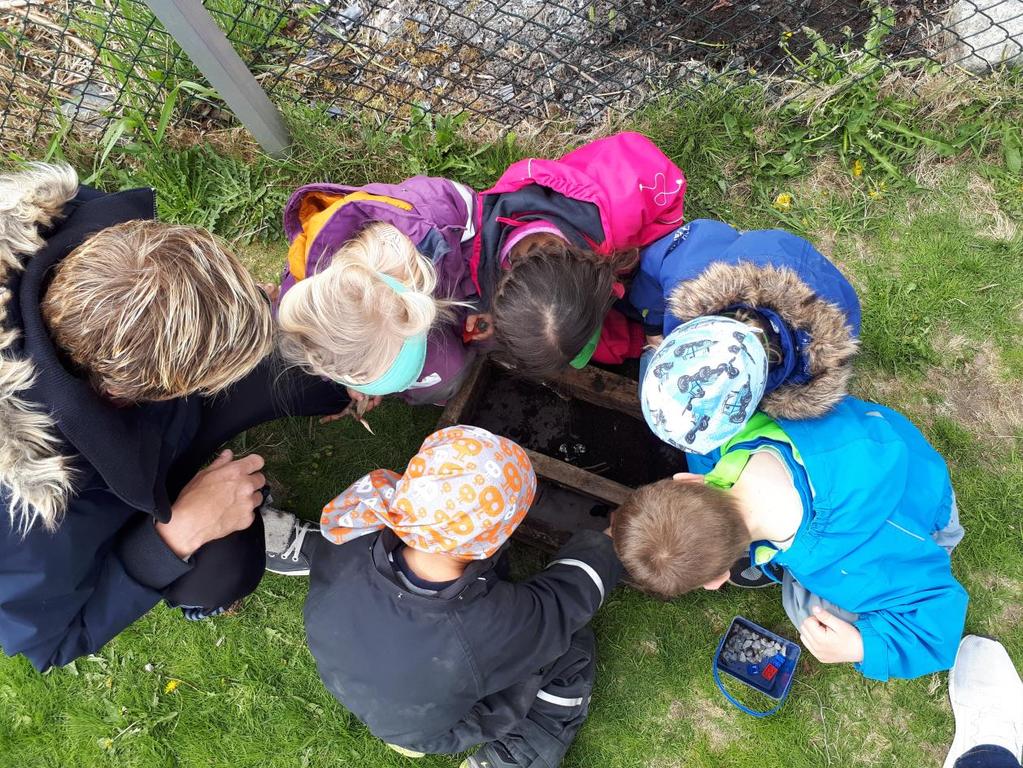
36	477
831	349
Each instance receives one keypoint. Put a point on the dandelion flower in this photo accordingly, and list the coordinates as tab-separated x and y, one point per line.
857	168
783	201
105	744
172	685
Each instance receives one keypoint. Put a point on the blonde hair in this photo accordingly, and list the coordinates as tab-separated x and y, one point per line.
673	537
345	323
153	311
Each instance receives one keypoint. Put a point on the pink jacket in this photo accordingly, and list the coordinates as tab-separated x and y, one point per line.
613	194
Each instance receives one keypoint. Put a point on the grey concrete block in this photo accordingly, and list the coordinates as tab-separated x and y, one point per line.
989	33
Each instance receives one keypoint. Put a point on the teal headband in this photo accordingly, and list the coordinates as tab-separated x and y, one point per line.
405	369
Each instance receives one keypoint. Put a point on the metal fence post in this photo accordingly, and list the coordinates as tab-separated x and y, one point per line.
209	49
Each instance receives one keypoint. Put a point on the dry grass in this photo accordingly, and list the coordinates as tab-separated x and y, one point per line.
975	391
978	394
709	718
985	213
44	65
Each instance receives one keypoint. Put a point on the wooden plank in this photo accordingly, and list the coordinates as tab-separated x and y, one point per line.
577	479
461	406
602	388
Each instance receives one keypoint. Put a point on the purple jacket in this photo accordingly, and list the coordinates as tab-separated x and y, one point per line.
436	214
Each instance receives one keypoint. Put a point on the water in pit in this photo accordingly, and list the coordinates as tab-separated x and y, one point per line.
599	440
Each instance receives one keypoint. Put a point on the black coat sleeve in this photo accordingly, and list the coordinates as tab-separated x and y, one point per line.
534	629
67	593
546	610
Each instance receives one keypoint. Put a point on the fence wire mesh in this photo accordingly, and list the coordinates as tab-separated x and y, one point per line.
76	65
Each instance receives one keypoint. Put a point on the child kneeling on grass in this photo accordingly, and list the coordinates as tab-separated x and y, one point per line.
805	313
415	629
555	240
854	507
376	284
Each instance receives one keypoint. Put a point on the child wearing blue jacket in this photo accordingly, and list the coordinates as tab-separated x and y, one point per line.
806	313
855	509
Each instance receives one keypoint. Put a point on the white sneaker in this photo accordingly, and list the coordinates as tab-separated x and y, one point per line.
987	698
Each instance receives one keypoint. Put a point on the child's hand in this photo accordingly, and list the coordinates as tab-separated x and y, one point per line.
273	292
654	341
830	639
359	406
609	532
478	327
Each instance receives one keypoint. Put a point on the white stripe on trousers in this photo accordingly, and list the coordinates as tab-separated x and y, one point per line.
561	701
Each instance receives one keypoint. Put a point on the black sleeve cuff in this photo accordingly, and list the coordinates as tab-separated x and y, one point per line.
146	557
653	330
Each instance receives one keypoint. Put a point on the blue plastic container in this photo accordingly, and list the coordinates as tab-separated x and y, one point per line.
770	675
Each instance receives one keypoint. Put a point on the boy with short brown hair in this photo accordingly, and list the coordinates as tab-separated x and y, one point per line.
855	507
673	536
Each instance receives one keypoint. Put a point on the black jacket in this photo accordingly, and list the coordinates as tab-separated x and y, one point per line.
442	673
66	593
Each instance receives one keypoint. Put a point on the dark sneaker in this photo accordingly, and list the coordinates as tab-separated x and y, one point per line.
192	613
748	576
289	542
493	754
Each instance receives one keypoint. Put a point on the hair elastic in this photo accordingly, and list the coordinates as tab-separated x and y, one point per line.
580	360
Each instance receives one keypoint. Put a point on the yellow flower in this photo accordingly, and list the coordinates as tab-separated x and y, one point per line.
783	201
106	744
172	685
857	168
874	193
787	35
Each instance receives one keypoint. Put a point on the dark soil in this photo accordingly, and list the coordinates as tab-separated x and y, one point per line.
596	439
740	34
558	512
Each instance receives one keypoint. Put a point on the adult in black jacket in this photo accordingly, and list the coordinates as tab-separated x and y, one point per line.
109	510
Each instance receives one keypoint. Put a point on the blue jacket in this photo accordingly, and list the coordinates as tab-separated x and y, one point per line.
874	492
707	267
65	593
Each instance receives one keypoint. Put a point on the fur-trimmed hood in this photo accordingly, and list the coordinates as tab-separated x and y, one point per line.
707	267
829	347
58	431
34	474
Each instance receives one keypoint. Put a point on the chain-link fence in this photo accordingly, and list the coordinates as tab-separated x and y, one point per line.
75	65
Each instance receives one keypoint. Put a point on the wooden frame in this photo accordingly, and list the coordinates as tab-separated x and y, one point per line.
592	385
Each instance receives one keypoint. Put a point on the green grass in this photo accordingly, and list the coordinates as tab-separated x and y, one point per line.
933	253
145	75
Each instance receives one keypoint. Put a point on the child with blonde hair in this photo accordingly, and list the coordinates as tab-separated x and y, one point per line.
372	296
